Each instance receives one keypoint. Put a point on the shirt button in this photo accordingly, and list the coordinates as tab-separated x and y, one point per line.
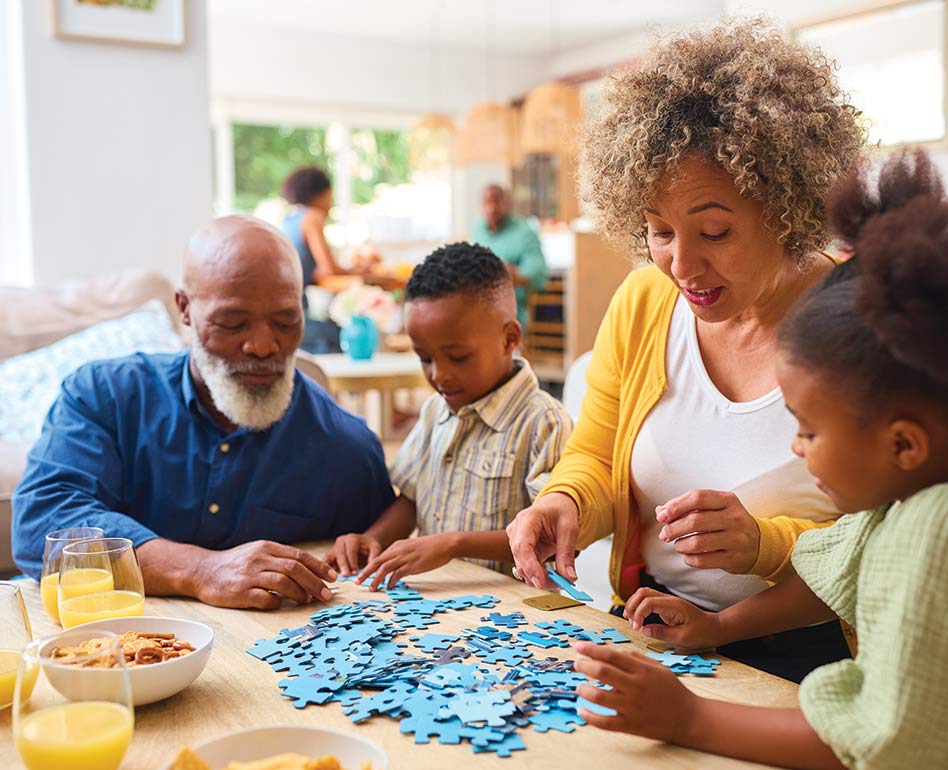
213	507
225	447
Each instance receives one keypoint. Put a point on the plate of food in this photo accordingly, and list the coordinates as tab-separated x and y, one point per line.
162	655
283	748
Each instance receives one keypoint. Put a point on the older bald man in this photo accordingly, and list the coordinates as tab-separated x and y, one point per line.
214	459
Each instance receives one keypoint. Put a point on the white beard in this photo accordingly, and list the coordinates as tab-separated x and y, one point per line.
253	408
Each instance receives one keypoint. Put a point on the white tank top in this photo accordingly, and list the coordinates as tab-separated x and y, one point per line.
695	438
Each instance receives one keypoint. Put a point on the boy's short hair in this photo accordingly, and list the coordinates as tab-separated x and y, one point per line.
458	268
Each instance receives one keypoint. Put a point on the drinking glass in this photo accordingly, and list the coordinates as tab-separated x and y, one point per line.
52	556
79	715
15	634
98	579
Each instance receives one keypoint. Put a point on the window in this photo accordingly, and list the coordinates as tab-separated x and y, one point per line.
378	196
892	63
265	155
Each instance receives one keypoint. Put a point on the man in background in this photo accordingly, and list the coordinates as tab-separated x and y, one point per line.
515	242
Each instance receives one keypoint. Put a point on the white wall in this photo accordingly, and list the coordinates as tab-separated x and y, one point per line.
279	66
119	156
15	264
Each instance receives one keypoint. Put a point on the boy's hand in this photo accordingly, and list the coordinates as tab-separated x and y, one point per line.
685	625
348	551
408	557
648	697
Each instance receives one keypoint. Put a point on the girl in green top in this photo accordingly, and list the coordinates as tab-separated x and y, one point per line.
863	365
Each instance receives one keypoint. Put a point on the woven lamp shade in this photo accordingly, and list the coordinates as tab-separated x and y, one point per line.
488	135
431	143
552	114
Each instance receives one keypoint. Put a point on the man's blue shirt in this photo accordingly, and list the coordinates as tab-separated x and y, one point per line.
128	447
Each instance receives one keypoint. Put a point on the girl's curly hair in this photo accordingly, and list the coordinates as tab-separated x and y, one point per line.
769	111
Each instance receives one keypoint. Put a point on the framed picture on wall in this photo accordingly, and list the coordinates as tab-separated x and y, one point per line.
132	22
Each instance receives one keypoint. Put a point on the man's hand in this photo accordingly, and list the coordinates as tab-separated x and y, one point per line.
350	552
408	557
548	527
648	698
712	530
685	625
259	574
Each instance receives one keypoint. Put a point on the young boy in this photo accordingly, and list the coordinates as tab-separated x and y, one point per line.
483	445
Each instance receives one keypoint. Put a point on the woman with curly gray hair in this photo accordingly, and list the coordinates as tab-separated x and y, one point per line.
715	154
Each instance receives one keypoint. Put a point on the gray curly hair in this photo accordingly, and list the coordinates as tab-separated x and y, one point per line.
770	112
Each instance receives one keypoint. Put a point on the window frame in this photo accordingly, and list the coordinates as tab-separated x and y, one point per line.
877	9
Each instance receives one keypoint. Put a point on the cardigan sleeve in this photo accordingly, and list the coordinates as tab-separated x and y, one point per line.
585	470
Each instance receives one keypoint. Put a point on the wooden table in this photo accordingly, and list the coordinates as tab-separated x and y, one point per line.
237	691
384	373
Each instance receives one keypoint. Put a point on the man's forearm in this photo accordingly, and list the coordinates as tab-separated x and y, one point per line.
788	605
169	568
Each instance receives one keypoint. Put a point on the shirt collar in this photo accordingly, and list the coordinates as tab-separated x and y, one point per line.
493	408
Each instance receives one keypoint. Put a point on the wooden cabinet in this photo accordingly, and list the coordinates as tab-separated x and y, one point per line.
564	318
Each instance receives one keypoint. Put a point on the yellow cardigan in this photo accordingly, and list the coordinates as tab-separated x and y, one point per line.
625	379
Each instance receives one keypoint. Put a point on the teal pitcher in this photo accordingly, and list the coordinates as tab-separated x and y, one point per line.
360	338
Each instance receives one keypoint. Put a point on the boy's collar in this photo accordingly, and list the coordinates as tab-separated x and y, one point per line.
493	408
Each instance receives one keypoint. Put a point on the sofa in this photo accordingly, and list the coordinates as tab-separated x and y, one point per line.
46	333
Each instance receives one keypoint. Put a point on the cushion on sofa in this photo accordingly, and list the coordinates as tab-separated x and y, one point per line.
29	383
34	318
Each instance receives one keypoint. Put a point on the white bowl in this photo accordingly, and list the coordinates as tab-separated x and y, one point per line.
150	683
314	742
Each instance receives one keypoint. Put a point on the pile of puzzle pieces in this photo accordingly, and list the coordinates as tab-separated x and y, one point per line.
481	685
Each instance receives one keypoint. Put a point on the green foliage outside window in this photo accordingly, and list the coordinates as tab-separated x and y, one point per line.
265	155
379	157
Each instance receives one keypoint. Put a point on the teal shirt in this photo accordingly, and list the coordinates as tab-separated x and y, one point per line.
517	244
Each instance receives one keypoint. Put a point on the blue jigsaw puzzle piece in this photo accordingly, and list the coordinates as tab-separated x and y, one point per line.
491	633
432	642
481	706
541	640
418	621
561	627
509	656
388	701
484	601
561	720
511	742
606	635
311	689
565	585
263	649
512	620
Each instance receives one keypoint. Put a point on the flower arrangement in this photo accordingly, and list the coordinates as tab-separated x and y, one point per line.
369	301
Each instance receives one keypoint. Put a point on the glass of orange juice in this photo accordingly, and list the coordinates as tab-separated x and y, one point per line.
15	634
78	715
52	556
98	579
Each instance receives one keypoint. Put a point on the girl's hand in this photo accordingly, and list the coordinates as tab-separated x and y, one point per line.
407	557
648	698
685	625
712	530
350	552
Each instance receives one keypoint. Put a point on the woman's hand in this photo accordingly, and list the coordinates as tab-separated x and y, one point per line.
350	552
712	530
548	527
685	625
648	698
408	557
